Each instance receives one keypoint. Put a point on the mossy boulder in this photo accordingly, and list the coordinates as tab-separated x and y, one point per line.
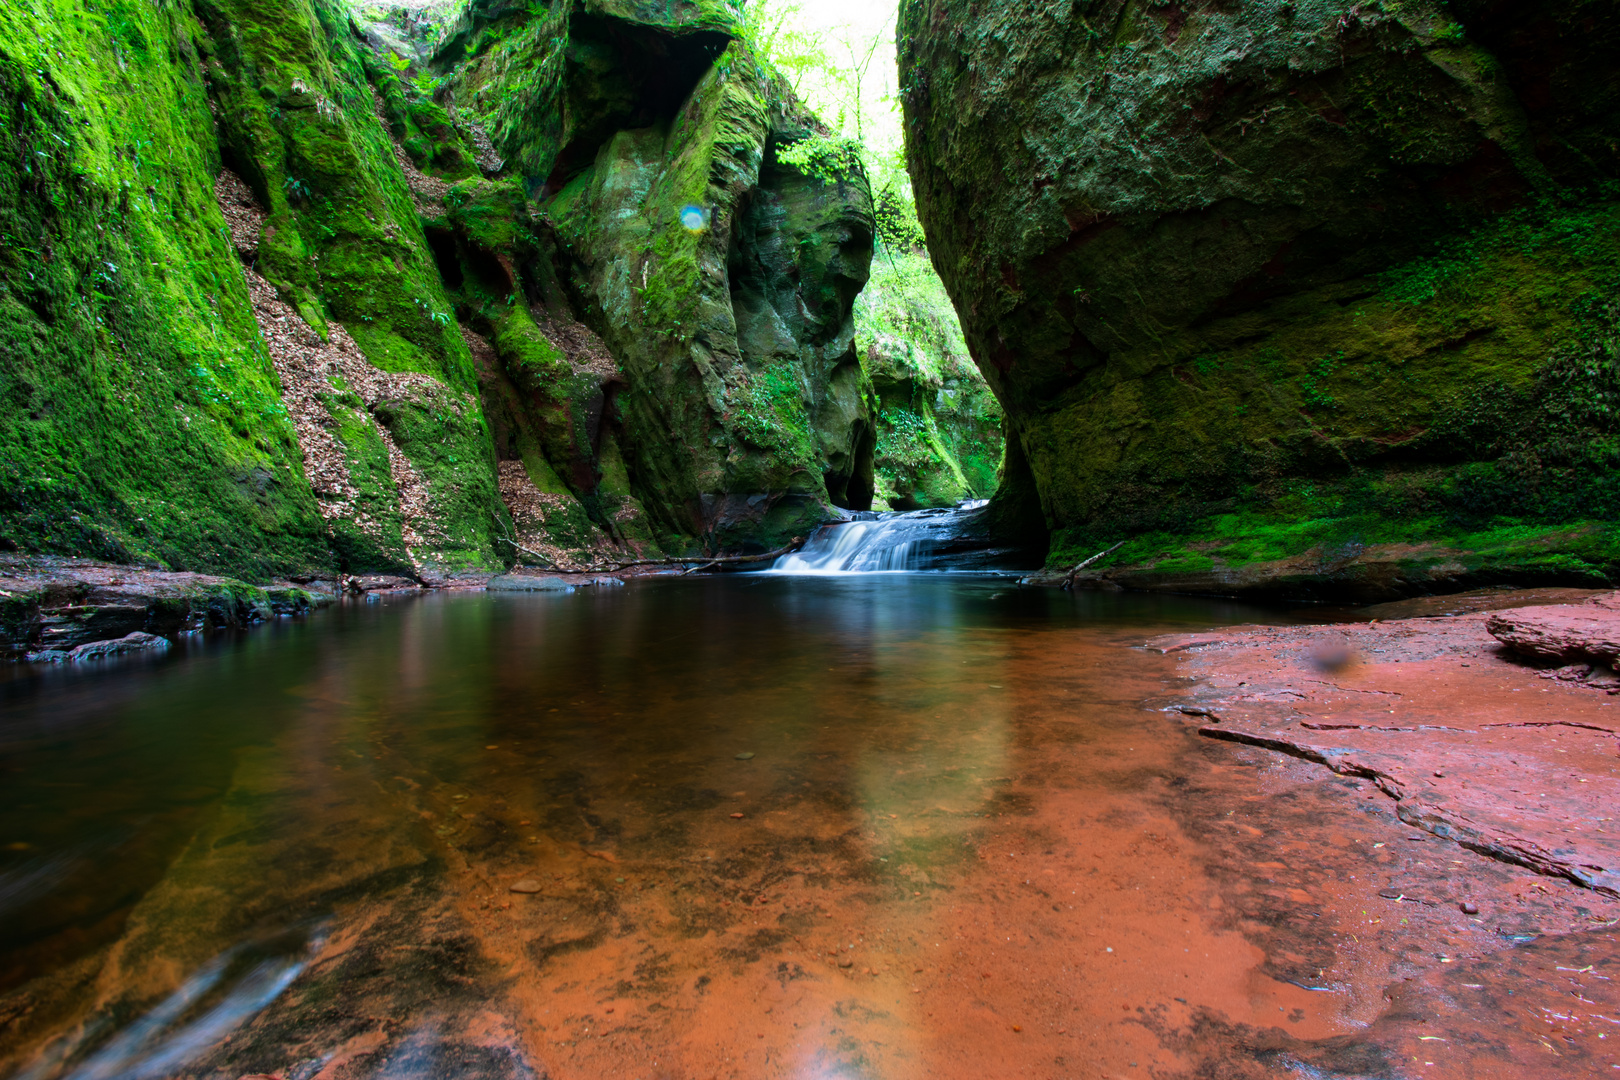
1267	282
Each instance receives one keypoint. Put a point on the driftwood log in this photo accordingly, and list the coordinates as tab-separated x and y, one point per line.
692	564
1068	579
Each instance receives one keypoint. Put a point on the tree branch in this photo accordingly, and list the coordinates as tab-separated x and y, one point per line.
1068	580
694	564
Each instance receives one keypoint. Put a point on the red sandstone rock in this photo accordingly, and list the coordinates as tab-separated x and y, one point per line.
1589	631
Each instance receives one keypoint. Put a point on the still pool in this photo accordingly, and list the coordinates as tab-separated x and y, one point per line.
877	826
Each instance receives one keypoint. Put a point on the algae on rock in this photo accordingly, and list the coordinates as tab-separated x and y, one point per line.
1272	282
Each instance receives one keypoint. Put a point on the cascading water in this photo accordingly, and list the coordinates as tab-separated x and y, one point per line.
878	543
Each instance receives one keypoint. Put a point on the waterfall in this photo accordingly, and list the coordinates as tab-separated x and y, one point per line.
877	543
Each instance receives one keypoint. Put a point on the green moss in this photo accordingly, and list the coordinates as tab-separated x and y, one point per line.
939	426
369	537
297	114
509	63
733	331
140	418
1505	550
767	410
1184	323
493	214
1334	381
916	468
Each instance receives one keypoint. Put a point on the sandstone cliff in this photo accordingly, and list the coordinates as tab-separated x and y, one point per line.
1319	292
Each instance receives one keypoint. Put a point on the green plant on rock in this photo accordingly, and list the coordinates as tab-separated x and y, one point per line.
1313	384
829	159
767	409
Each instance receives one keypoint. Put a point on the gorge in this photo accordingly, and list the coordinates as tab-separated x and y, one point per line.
739	538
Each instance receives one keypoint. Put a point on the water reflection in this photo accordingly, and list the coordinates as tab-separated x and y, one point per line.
720	797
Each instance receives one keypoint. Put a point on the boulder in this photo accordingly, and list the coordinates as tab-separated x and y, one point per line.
366	583
99	650
1568	632
1260	281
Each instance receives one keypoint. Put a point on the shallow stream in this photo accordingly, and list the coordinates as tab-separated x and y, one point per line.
869	826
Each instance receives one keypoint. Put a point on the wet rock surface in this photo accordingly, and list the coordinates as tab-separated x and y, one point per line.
1495	790
57	610
1434	716
129	643
528	583
1588	632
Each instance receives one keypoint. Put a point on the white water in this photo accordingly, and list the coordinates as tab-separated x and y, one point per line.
875	544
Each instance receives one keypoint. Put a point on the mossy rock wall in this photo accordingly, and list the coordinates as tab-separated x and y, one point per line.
140	417
144	418
1286	282
720	280
403	323
939	426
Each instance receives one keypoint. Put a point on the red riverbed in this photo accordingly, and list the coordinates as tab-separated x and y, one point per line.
701	830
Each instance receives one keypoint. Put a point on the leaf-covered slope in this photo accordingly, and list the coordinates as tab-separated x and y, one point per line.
140	417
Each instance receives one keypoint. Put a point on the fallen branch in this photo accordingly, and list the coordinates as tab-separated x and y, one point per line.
1431	818
545	564
1333	759
693	563
1068	580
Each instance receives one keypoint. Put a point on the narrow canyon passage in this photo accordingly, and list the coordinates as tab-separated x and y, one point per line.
883	826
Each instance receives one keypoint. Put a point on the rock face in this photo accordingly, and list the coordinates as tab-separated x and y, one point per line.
286	288
939	426
720	281
1266	282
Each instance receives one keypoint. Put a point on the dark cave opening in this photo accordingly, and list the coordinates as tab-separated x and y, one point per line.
622	76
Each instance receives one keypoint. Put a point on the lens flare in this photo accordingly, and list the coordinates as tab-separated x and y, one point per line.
694	218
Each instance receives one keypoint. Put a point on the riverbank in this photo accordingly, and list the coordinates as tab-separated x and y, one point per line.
1510	753
1476	778
60	610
